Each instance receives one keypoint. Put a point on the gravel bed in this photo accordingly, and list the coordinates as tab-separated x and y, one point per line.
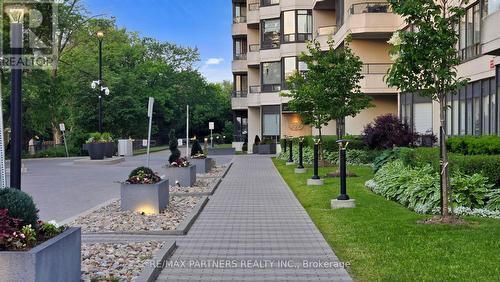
111	219
117	261
204	182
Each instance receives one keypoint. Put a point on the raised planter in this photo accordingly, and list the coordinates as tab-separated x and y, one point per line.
96	150
202	165
147	198
264	149
109	150
56	260
221	151
185	175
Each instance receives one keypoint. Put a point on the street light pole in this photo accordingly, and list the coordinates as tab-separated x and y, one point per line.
16	15
100	36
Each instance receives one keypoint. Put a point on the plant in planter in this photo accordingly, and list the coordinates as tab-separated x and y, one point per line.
199	159
256	143
32	250
145	192
109	150
96	146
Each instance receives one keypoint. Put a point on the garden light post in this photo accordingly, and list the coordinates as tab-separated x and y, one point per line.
100	37
16	15
343	200
300	168
315	179
286	138
290	153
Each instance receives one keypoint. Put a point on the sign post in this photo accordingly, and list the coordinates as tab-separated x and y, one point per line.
211	126
150	115
62	127
187	132
3	175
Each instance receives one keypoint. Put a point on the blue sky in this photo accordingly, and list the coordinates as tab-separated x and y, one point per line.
205	24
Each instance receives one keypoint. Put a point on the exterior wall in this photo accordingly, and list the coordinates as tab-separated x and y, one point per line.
253	126
291	125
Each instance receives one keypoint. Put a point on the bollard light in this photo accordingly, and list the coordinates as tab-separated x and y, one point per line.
343	170
316	159
301	153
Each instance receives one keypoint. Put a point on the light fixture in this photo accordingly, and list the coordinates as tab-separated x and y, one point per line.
16	13
100	34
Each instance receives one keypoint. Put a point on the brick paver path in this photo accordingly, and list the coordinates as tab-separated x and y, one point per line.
253	229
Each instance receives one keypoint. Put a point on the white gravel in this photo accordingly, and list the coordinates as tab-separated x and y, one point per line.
117	261
112	219
204	182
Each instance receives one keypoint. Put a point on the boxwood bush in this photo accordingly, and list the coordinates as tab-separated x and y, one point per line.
474	145
19	205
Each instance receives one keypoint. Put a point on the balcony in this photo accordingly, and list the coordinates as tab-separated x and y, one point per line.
324	4
324	33
253	13
239	100
240	94
240	28
239	66
373	81
253	56
241	19
372	20
490	34
254	96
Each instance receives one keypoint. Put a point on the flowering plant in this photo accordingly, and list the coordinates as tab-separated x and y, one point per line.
181	162
143	175
199	156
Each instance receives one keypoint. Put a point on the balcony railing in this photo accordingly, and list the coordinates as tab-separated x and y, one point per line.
326	30
240	94
254	47
240	19
271	88
376	68
370	7
238	57
254	6
255	89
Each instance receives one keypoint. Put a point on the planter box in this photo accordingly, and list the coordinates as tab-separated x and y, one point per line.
147	198
109	150
202	165
185	175
264	149
221	151
56	260
96	150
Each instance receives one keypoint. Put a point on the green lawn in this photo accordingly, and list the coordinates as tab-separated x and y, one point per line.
143	151
382	241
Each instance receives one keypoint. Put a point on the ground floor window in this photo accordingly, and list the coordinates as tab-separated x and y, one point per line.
240	126
271	125
417	111
474	110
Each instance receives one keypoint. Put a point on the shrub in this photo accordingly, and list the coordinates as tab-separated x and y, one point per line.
8	225
354	157
20	205
95	137
494	200
474	145
143	175
469	191
483	164
386	132
196	149
256	140
175	154
106	137
384	158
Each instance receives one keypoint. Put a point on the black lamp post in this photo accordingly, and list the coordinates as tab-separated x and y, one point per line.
16	15
316	160
343	170
100	37
301	153
290	157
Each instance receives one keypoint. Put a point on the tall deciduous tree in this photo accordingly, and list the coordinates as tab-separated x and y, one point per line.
330	89
425	60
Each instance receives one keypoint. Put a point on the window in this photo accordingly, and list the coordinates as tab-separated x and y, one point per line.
269	2
339	11
270	34
493	6
271	77
289	66
486	106
240	48
493	113
271	121
470	32
422	115
468	116
297	26
449	118
240	85
240	13
476	110
462	112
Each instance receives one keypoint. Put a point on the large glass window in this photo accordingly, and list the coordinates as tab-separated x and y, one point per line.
462	112
240	13
486	107
470	32
240	48
290	66
422	117
449	112
297	26
269	2
468	110
270	33
476	111
271	121
493	102
455	115
493	6
240	85
271	77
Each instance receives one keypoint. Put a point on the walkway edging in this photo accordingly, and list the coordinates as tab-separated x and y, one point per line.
150	273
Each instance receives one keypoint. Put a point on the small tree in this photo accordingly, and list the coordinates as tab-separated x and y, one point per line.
196	149
425	61
330	89
175	154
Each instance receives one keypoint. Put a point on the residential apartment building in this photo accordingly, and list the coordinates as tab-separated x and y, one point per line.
268	35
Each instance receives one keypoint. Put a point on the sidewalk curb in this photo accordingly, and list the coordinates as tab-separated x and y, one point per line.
198	194
87	212
151	273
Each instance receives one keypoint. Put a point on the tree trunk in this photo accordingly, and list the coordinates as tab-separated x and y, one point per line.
56	135
321	155
443	160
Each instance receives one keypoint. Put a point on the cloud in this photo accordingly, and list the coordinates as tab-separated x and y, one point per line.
214	61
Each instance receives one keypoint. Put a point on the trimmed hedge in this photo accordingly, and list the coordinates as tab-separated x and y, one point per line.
330	142
474	145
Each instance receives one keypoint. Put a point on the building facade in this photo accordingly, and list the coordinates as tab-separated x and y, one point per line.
269	35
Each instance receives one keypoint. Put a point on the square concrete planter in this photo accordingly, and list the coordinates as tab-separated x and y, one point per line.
147	198
56	260
264	149
185	175
202	165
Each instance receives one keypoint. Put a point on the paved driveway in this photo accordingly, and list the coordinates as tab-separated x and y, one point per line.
62	190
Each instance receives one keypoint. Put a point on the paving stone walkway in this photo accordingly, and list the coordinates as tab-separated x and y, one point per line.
253	229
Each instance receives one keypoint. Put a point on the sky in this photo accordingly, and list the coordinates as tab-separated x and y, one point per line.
205	24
